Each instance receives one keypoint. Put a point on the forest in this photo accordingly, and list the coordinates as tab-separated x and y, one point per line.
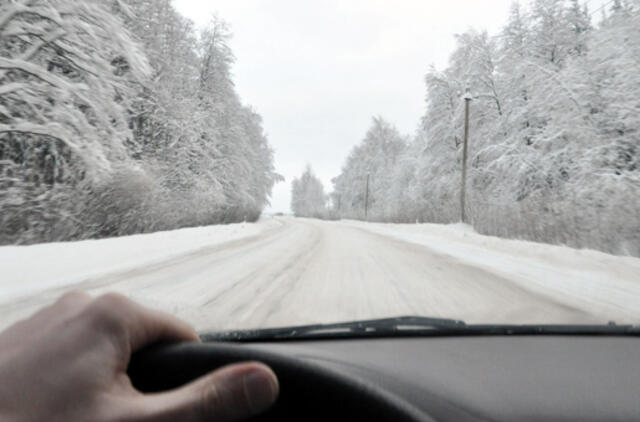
121	117
554	135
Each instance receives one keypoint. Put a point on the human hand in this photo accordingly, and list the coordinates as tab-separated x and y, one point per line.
68	363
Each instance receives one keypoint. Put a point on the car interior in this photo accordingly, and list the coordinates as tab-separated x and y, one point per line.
563	374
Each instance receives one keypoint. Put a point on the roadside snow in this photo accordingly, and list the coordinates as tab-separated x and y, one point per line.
286	271
585	278
26	270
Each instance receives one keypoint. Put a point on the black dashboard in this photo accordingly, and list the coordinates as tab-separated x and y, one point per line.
469	378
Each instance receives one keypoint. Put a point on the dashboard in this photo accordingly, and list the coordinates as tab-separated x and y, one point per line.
467	378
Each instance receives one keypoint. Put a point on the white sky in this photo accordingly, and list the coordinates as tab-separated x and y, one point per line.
319	70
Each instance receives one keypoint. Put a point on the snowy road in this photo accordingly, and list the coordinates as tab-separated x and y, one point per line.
307	271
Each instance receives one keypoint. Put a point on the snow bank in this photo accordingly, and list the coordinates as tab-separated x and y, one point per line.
586	279
26	270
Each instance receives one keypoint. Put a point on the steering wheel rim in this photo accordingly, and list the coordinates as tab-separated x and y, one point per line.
308	390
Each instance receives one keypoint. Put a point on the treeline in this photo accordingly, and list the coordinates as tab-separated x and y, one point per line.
117	117
307	196
554	150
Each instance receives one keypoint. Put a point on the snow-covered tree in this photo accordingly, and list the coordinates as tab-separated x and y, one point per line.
370	164
307	196
116	118
553	150
61	82
64	85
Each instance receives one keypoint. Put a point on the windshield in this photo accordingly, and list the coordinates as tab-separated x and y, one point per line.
250	165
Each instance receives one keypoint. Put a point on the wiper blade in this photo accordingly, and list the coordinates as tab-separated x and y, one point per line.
610	329
364	328
413	326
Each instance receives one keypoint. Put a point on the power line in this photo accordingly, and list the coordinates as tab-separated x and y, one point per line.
601	7
588	3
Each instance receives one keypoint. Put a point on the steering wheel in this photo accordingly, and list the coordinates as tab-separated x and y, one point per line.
308	390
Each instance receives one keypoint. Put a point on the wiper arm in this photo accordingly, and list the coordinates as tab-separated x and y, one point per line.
413	326
365	328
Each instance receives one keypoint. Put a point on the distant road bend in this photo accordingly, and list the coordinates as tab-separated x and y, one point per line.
308	271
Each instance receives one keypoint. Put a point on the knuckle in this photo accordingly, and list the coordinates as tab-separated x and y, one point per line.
108	313
73	297
112	298
111	303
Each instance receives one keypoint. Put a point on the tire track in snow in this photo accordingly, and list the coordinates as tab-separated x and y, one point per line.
309	271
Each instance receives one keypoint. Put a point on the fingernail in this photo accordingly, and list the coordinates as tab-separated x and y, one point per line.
261	389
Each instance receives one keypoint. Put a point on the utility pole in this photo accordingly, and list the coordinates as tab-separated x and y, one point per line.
465	148
366	197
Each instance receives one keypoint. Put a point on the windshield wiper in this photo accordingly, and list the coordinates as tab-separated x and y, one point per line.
372	327
411	326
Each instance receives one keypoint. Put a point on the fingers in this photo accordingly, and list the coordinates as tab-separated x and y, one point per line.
48	317
136	325
233	393
73	300
156	326
131	325
67	305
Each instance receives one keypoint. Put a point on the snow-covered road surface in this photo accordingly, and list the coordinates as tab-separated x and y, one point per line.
298	271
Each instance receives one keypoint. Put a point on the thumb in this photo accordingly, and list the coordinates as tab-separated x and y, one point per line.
233	393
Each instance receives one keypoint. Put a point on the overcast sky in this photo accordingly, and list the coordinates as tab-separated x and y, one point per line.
319	70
